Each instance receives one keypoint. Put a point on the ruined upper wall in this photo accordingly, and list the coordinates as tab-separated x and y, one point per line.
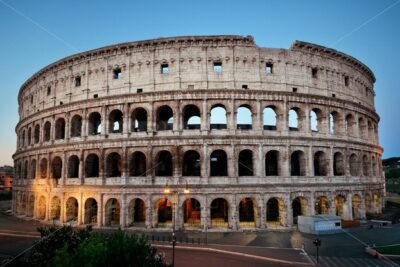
303	69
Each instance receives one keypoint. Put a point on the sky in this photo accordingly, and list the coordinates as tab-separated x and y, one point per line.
34	34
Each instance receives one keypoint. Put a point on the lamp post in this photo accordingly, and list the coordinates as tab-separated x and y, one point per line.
175	199
317	244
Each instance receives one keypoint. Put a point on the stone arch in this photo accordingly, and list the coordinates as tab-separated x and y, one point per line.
29	136
368	202
353	165
297	163
25	170
356	207
92	165
43	168
164	211
269	118
37	134
56	167
23	138
191	117
218	163
374	166
316	118
320	164
218	117
334	123
71	209
191	164
114	165
55	209
90	212
299	208
244	117
275	212
76	126
41	212
338	164
137	164
116	121
350	125
370	131
31	206
272	163
362	128
245	163
94	123
191	213
60	128
33	169
340	204
139	120
165	118
164	166
73	166
219	213
322	205
136	213
247	213
365	165
46	131
112	212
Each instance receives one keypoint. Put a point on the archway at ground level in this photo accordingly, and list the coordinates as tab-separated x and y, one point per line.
219	213
275	210
299	208
339	204
71	209
191	213
112	212
55	209
31	206
41	213
164	212
90	211
137	213
356	207
247	213
322	205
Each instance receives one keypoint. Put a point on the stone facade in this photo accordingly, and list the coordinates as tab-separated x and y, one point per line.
257	135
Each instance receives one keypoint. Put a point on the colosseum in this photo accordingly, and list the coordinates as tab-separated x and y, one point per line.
199	132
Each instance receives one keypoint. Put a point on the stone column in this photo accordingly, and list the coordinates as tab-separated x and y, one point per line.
85	128
205	117
81	173
263	213
67	127
205	172
81	209
232	164
149	213
310	161
125	127
100	211
284	159
123	212
311	204
259	163
104	120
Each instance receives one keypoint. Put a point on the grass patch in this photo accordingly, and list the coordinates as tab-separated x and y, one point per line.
392	250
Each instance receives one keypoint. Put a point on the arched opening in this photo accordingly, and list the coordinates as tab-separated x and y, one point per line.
73	167
338	164
315	120
218	117
139	120
56	167
55	209
191	213
25	170
23	138
191	163
29	136
370	131
271	163
299	208
114	165
137	213
339	204
368	202
90	211
362	129
94	123
322	206
164	211
374	166
320	166
164	164
275	209
165	118
76	126
244	118
31	206
247	210
297	163
365	165
115	121
245	163
137	164
219	213
334	123
92	166
191	117
269	118
60	129
47	131
71	210
375	203
349	125
218	163
43	168
353	164
356	207
112	212
37	133
33	169
41	213
293	119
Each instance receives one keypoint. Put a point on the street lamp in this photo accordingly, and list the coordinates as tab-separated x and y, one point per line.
175	192
317	244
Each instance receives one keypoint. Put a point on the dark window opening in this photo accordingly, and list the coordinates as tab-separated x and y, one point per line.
95	96
218	163
56	169
48	90
46	131
333	95
338	164
164	164
346	80
273	210
297	164
217	67
191	164
314	73
37	133
60	128
94	123
296	208
246	210
191	117
73	167
78	81
271	163
114	165
294	89
269	68
245	87
31	99
92	166
117	73
137	164
165	120
61	103
164	211
116	121
76	126
139	90
245	163
43	168
320	164
219	212
139	120
164	69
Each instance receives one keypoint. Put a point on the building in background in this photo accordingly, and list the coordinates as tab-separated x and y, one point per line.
6	178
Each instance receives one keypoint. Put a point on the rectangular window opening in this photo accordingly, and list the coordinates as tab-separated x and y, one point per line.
217	67
49	90
78	81
164	69
117	73
95	96
61	103
269	68
333	95
139	90
294	89
314	73
245	87
346	81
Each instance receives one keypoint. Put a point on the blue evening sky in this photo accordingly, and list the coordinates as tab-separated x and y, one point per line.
36	33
